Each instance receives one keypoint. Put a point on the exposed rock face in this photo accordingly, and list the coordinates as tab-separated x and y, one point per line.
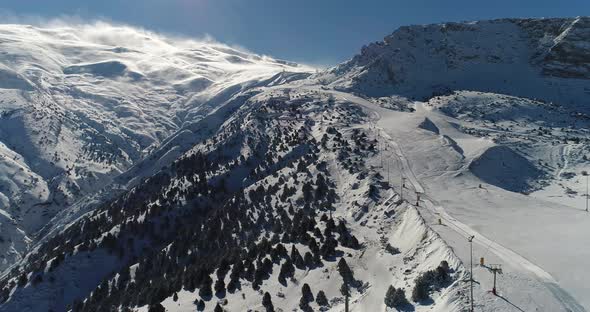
570	56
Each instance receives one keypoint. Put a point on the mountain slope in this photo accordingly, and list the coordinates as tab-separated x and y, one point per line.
536	58
80	105
505	145
283	172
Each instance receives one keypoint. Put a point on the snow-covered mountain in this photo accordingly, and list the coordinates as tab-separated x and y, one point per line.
537	58
145	172
79	105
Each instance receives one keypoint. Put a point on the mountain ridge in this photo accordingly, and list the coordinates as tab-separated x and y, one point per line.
488	55
80	105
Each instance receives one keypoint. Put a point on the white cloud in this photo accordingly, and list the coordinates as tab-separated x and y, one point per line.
105	31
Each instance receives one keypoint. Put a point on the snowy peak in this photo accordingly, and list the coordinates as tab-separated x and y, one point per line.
512	56
81	104
98	51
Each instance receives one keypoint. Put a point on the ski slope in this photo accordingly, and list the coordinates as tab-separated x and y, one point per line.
463	209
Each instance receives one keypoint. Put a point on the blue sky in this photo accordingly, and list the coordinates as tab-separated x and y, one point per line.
319	32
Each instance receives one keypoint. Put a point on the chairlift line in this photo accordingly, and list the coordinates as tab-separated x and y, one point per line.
470	240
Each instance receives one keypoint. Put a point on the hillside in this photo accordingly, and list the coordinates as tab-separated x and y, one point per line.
279	194
81	105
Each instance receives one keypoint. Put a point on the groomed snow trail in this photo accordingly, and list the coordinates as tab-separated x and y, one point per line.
506	254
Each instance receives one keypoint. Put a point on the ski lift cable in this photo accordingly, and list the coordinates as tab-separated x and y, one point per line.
487	249
467	235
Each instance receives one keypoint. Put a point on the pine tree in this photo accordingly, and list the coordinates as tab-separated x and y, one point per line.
304	304
395	298
346	293
267	266
237	269
219	286
329	247
218	308
287	270
267	302
223	269
156	308
200	305
232	285
296	257
306	292
249	273
420	291
308	259
321	299
205	289
344	290
345	271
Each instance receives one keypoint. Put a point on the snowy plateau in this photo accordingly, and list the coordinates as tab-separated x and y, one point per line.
144	172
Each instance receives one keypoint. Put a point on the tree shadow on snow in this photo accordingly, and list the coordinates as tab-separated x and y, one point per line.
426	302
406	307
337	255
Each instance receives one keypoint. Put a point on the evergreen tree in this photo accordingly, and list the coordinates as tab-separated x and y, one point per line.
156	308
321	299
296	257
205	289
329	247
287	270
445	265
237	269
304	304
440	276
306	292
233	285
218	308
389	297
219	286
200	305
249	273
395	298
345	271
267	302
267	266
308	260
346	293
420	291
344	290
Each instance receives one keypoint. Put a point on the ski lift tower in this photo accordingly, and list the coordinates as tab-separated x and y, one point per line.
585	173
470	240
496	269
